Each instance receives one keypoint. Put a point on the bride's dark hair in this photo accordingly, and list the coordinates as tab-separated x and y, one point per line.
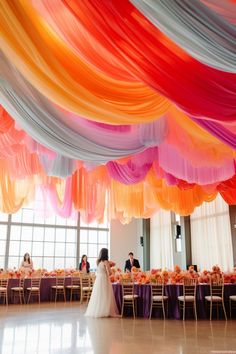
103	255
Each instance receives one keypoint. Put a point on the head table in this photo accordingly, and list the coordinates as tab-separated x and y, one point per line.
144	296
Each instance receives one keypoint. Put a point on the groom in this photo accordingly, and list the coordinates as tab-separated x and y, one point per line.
131	262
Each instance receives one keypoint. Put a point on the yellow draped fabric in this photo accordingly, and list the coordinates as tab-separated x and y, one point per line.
62	76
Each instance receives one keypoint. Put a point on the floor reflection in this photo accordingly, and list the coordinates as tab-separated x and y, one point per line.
62	328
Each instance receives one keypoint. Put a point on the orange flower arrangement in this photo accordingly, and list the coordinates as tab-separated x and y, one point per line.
134	270
177	269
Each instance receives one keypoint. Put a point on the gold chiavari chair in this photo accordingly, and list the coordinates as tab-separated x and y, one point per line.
129	298
93	277
34	289
216	297
4	290
86	287
58	289
18	291
74	287
188	299
232	304
158	297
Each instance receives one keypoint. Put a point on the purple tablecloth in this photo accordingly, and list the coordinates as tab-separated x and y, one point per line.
172	291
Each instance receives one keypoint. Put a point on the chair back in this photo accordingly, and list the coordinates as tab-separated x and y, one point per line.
93	278
60	281
21	282
157	287
35	282
75	280
85	281
190	287
127	287
4	282
217	287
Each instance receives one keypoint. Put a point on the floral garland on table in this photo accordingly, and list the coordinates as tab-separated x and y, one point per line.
176	276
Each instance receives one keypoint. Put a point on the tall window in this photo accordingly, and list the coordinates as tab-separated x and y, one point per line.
53	242
92	240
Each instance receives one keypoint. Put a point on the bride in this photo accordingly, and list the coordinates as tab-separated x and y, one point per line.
102	302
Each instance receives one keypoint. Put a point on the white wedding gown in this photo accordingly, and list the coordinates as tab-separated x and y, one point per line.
102	302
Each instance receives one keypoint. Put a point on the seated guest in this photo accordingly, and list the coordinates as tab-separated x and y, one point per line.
26	264
84	265
131	262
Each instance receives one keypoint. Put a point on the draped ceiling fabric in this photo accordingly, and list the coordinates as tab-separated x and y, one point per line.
117	109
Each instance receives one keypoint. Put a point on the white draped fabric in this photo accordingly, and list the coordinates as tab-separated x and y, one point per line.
199	30
161	247
211	236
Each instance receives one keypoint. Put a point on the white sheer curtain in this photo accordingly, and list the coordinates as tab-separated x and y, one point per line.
211	235
161	248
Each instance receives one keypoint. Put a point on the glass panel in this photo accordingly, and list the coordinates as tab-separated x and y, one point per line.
70	263
102	236
2	248
60	235
3	232
102	246
83	224
2	262
92	250
51	220
28	216
71	235
17	216
38	218
3	217
48	263
60	249
38	233
38	262
83	236
49	249
49	234
83	249
70	250
15	232
13	262
93	264
14	248
37	249
93	236
59	263
26	233
60	221
72	221
25	247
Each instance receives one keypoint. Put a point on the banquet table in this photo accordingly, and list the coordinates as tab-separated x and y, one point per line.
172	291
144	296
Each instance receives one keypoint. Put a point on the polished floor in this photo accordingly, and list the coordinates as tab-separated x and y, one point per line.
61	328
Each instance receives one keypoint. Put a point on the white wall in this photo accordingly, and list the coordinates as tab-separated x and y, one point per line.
125	239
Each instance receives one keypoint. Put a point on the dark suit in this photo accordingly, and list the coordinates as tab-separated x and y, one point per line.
87	267
128	265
